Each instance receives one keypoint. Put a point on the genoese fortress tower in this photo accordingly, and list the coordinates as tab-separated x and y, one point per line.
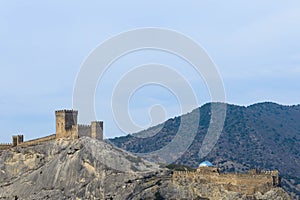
66	127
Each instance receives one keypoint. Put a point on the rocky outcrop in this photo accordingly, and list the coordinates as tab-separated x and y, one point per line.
91	169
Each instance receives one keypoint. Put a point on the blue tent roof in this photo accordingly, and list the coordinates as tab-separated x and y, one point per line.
205	164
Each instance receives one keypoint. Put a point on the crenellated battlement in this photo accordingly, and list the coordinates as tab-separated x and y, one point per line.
271	172
94	130
37	141
66	127
183	172
84	126
5	144
66	111
267	172
98	122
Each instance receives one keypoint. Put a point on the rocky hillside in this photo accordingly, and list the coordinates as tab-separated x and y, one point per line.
264	136
91	169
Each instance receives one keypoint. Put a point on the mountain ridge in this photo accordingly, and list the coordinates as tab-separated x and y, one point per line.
263	135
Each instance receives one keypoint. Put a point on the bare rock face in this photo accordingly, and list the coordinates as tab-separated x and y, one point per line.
90	169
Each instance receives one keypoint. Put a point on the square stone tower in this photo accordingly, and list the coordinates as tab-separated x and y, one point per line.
97	130
17	139
66	123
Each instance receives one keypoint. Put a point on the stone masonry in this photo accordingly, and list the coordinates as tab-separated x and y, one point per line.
205	179
66	127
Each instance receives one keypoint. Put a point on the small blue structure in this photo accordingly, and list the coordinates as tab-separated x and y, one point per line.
206	164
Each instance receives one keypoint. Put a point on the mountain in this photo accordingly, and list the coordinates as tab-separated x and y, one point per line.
87	168
264	135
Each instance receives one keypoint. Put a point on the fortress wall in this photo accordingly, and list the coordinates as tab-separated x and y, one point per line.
66	127
183	173
84	130
245	182
95	130
37	141
248	183
243	179
5	146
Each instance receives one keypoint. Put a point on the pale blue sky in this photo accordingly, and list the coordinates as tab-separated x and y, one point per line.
255	45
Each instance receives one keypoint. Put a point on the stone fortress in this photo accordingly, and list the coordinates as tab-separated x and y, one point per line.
66	127
205	180
208	179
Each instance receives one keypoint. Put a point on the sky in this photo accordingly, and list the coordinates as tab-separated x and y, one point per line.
255	46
